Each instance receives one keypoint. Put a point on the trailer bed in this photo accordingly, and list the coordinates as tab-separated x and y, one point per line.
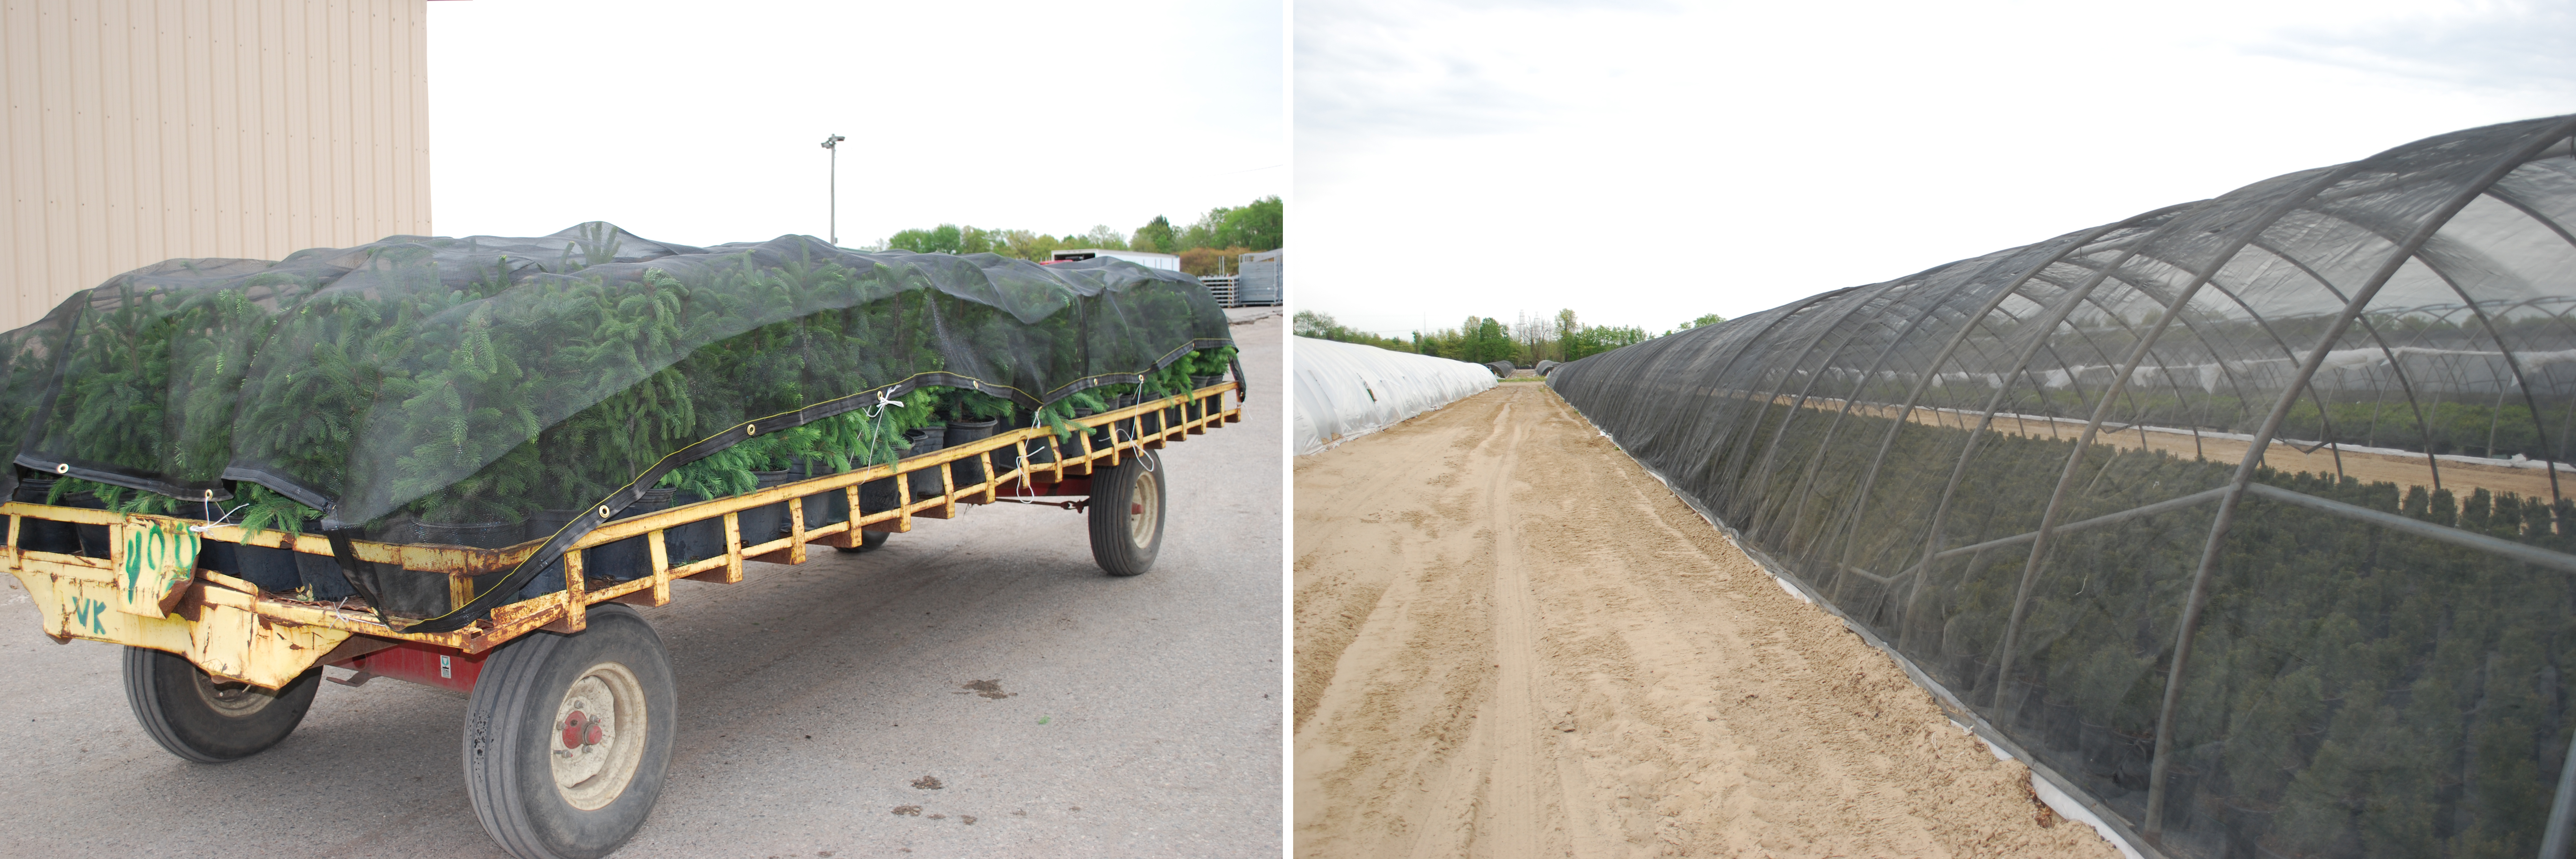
232	630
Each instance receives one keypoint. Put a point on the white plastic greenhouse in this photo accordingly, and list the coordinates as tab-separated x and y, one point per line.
1346	390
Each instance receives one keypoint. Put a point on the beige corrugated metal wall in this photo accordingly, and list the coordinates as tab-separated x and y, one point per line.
143	130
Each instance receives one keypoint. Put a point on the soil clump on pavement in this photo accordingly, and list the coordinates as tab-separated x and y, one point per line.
1512	641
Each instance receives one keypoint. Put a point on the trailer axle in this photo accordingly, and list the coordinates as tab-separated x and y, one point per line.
1075	505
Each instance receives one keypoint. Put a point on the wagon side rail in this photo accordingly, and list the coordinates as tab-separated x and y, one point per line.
229	628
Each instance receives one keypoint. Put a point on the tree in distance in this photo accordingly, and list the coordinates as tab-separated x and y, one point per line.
1156	235
1322	326
1205	246
1480	339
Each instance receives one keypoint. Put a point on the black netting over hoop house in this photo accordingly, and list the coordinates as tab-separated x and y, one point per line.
417	383
2250	517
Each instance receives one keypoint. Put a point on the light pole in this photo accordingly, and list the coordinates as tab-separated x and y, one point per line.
832	143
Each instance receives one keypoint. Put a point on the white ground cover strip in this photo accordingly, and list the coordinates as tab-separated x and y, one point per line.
2058	801
1345	390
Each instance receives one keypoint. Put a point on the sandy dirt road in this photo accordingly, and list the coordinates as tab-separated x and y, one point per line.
1511	641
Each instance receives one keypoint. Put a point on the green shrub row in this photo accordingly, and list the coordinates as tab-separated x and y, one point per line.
2354	691
476	380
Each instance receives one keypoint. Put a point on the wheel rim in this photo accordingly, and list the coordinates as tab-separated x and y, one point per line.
231	699
598	736
1144	508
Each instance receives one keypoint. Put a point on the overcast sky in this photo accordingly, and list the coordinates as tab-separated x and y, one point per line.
1645	162
700	123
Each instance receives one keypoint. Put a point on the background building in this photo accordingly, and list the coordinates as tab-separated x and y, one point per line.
155	129
1147	259
1260	280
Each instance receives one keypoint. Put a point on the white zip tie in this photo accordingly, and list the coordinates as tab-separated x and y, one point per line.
1035	421
881	404
214	523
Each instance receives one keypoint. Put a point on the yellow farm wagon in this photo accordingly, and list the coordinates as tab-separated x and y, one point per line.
571	724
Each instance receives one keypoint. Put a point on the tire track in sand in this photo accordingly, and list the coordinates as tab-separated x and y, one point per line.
1527	569
1513	811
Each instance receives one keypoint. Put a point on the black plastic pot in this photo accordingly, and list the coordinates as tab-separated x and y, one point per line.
696	541
763	524
1145	424
825	509
625	559
319	572
542	525
877	496
93	538
1099	437
1039	452
630	558
273	570
1134	427
968	472
44	535
925	483
1203	407
424	593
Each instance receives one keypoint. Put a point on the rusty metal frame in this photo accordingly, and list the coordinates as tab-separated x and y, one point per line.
2301	193
228	628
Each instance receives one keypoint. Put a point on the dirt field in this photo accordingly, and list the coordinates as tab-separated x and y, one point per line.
1511	641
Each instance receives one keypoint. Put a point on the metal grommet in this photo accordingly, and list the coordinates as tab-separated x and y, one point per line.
62	468
603	511
748	429
210	495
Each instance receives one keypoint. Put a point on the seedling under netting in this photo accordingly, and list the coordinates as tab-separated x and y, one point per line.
453	390
2251	517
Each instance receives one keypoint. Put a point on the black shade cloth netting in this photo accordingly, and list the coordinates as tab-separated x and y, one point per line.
2028	473
465	379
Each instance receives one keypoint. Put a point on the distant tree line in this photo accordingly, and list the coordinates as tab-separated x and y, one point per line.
1222	233
1483	340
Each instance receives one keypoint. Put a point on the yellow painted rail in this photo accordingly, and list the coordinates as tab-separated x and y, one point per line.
232	630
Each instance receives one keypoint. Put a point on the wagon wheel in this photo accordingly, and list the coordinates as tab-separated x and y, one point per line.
208	720
1127	503
868	542
568	737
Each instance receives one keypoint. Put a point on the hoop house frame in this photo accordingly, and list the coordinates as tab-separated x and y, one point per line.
2242	518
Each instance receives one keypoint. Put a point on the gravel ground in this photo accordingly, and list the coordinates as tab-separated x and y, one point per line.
1132	717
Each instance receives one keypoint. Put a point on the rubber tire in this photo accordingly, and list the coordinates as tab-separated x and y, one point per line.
868	542
1113	544
509	731
163	690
